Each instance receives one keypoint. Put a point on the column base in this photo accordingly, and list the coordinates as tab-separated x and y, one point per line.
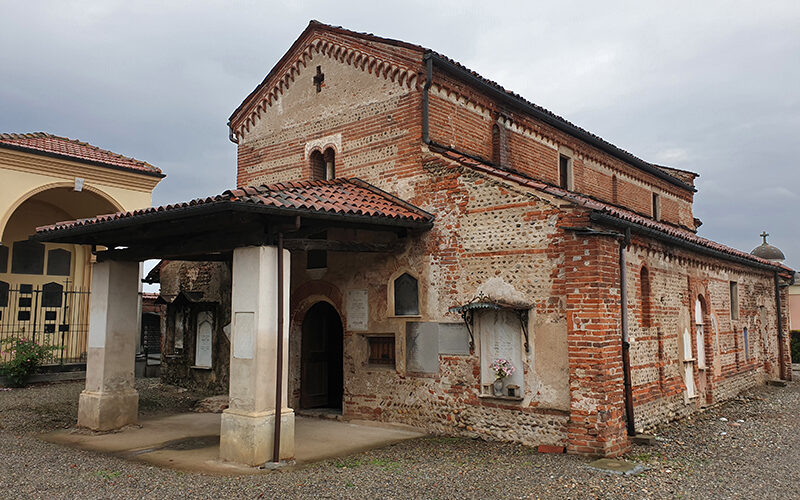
246	438
105	411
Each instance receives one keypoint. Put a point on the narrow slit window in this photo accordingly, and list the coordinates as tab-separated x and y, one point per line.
564	171
656	206
645	283
330	164
381	351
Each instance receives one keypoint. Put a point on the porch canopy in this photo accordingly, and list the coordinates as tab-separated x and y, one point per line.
253	227
210	228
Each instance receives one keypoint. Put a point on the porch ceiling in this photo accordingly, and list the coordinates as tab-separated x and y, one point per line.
210	228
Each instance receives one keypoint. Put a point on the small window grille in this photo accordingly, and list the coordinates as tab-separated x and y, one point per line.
381	350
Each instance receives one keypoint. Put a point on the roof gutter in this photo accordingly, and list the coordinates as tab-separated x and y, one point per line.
603	218
562	125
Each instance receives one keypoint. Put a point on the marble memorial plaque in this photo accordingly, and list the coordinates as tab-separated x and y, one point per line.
453	339
205	325
422	347
244	335
357	310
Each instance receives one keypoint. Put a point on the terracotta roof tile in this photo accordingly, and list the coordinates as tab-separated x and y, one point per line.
338	196
70	148
605	208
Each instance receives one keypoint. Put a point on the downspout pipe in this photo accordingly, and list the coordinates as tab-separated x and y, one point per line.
428	58
276	448
781	369
626	345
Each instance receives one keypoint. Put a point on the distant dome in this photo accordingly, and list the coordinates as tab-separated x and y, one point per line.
767	251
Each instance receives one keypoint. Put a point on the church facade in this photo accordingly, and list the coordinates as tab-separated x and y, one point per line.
536	221
561	296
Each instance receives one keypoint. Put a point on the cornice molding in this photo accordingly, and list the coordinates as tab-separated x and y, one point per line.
401	75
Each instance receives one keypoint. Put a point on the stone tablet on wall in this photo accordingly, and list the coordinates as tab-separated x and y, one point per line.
357	310
205	328
244	335
422	347
453	339
500	334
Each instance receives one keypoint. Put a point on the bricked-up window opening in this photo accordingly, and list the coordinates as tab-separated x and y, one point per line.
564	171
27	257
330	164
319	79
700	336
614	189
3	258
59	262
646	299
734	296
499	145
381	350
688	364
406	296
317	163
317	259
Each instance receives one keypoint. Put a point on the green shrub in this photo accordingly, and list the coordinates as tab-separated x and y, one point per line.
25	358
795	346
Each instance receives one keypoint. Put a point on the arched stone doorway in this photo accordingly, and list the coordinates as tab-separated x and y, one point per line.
321	361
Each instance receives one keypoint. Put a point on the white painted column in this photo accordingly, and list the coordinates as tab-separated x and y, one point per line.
109	400
246	434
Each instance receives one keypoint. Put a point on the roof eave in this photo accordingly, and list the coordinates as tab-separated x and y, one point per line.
52	154
458	71
608	219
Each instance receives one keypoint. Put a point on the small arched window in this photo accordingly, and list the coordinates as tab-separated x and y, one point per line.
646	299
317	166
330	164
406	296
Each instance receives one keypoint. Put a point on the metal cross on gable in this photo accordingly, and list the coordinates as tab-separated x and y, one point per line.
319	78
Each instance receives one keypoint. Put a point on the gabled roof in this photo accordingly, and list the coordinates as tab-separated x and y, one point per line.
680	178
337	198
63	147
650	227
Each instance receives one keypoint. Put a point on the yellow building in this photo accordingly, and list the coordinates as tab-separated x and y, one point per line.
46	179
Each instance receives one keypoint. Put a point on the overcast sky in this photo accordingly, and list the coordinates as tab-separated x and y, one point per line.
712	87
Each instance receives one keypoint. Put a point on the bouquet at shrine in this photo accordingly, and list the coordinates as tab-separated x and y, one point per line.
502	368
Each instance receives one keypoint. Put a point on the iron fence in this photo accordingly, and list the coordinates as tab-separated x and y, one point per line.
51	315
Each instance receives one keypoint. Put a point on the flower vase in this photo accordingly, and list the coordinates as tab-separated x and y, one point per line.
498	387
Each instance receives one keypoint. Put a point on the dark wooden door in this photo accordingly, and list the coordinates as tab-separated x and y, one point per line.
321	385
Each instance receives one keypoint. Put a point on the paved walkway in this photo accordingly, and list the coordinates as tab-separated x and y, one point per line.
190	441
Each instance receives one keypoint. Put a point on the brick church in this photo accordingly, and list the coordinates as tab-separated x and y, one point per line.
530	281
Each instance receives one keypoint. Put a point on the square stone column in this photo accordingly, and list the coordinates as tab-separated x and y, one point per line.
248	424
109	400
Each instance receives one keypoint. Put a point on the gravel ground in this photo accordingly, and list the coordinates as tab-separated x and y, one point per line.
702	457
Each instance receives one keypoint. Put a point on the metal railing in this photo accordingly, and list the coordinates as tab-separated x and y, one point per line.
54	314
